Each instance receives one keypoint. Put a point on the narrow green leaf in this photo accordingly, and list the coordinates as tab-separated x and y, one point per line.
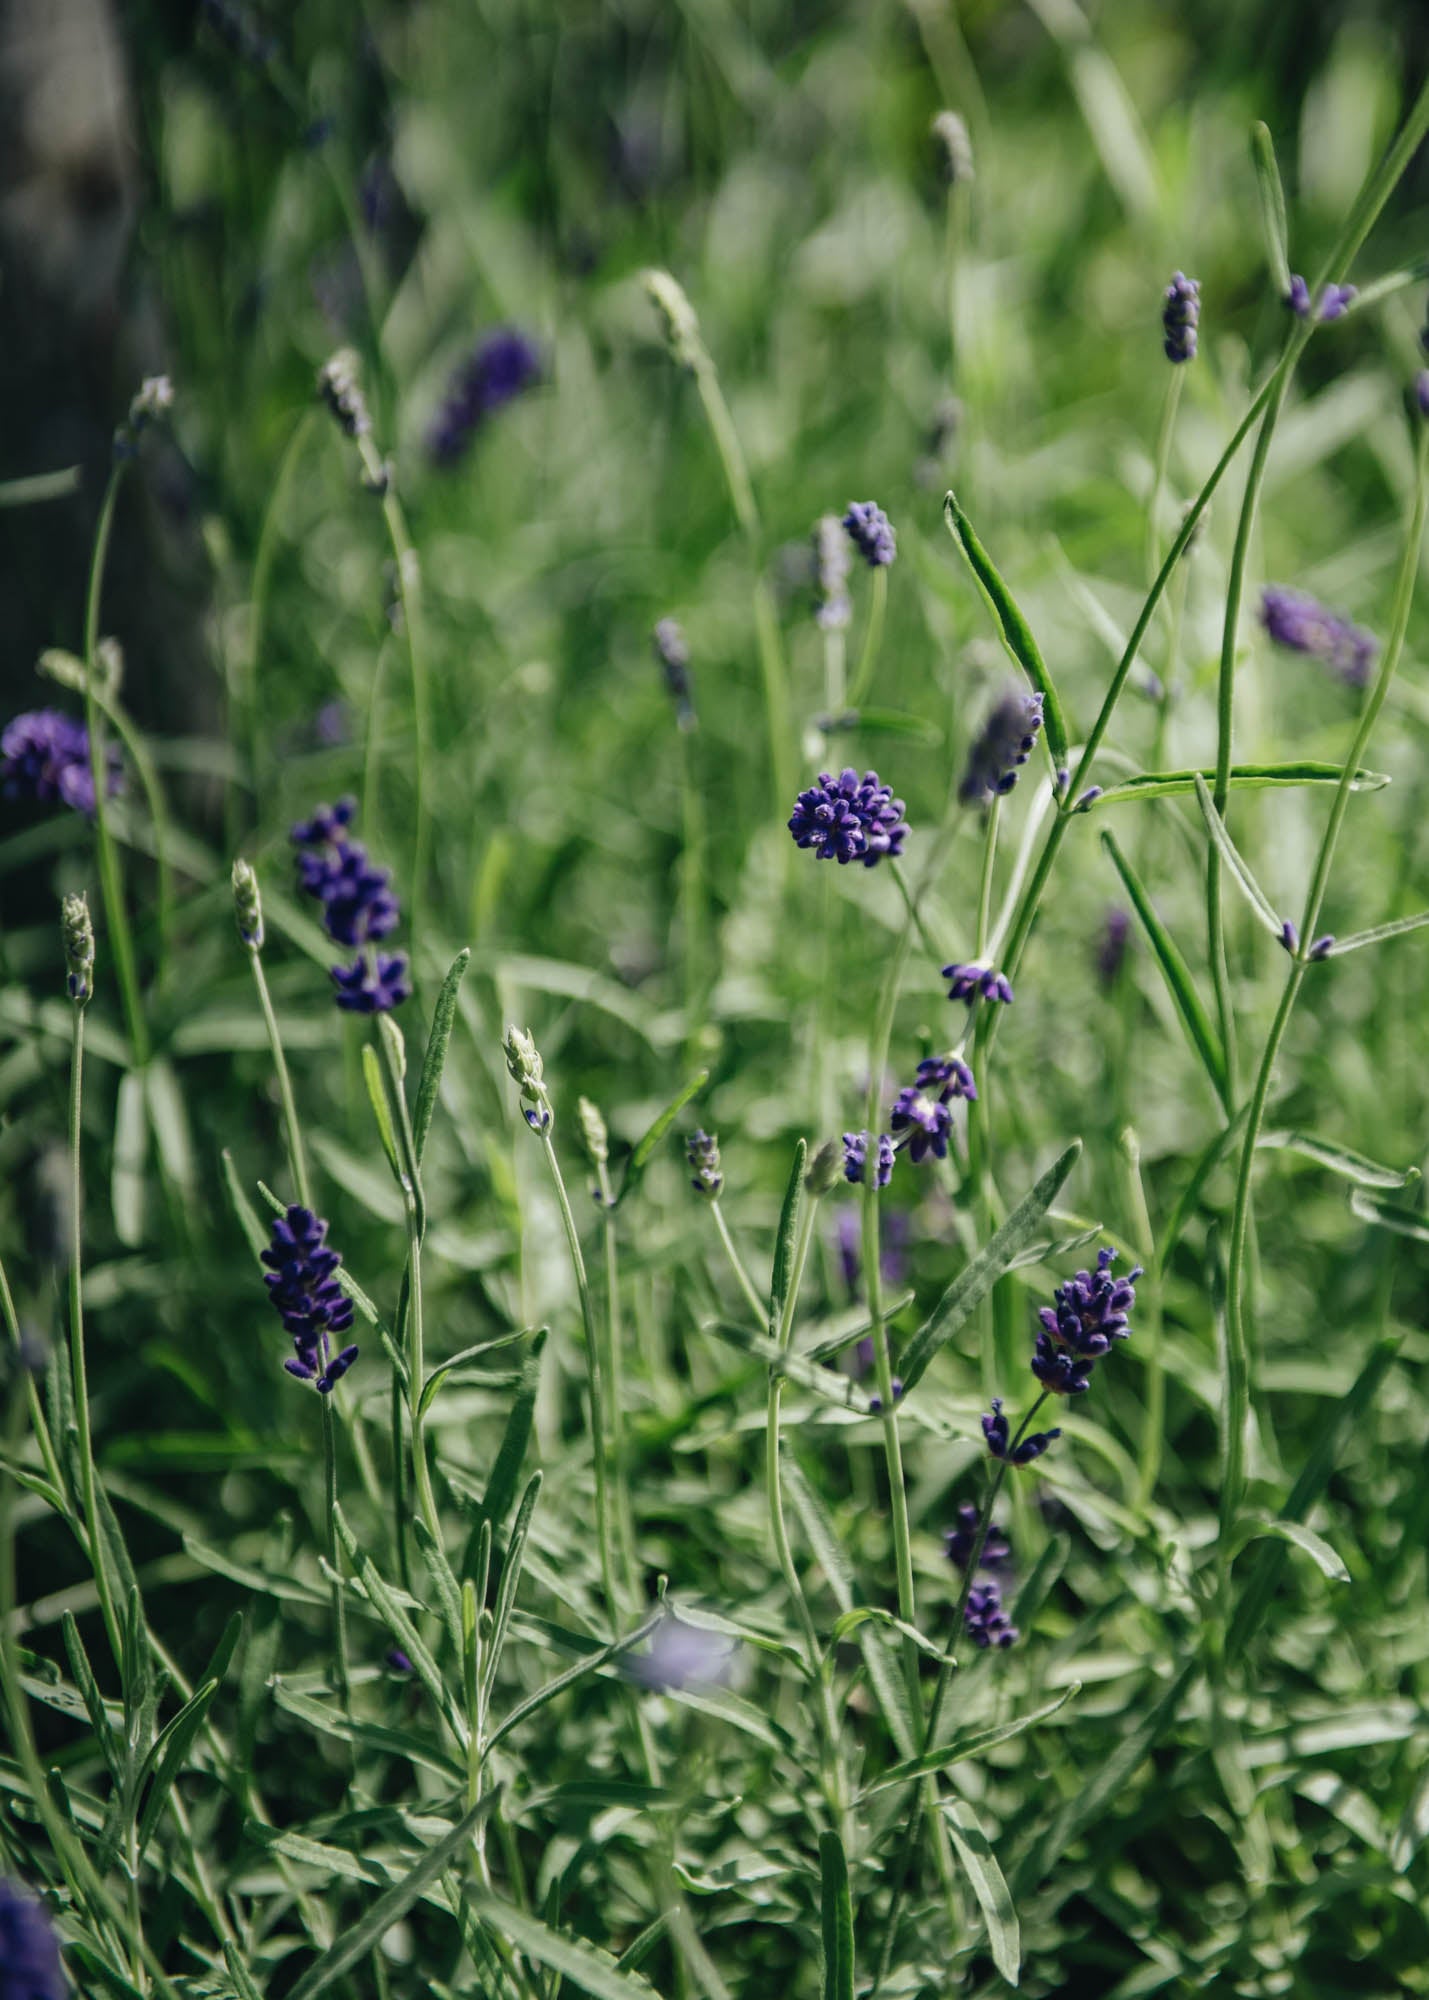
645	1146
376	1736
131	1151
1413	1829
169	1117
1013	629
242	1207
166	1759
967	1742
1315	1546
399	1625
784	1242
1194	1019
640	1948
511	1576
977	1279
1272	207
848	1622
974	1850
1341	1160
1208	1160
882	722
243	1986
593	1971
381	1109
1357	940
589	1665
434	1061
837	1919
829	1553
1389	1215
501	1486
799	1368
439	1374
368	1931
1269	1561
1231	855
88	1686
1243	777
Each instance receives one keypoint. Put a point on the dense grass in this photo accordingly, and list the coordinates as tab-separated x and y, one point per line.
1219	1570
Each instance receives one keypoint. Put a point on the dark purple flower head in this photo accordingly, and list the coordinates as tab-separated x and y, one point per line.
702	1152
30	1967
1180	316
1298	297
502	365
374	983
1335	301
44	755
832	609
1302	624
977	982
1090	1311
302	1284
959	1542
999	1439
1004	743
927	1120
674	656
948	1075
849	818
1111	946
871	533
1290	937
986	1622
856	1145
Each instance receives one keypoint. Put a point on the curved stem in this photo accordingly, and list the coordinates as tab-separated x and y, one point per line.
416	1333
98	1554
615	1386
292	1130
1170	404
111	886
737	1265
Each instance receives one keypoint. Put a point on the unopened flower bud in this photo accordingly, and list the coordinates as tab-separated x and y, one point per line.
682	329
826	1168
78	933
702	1151
339	388
524	1063
594	1136
247	905
951	133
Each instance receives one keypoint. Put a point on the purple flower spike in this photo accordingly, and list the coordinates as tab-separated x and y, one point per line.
302	1284
927	1120
1091	1311
1302	624
995	1430
977	982
871	532
44	755
358	906
958	1542
856	1145
1298	297
986	1622
849	818
501	367
30	1967
1001	747
373	983
1180	316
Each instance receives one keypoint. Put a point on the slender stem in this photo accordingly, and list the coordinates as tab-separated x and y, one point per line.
915	915
1237	1334
93	1530
111	885
1165	432
292	1130
334	1555
258	595
615	1384
737	1264
597	1387
138	753
692	890
1149	1322
416	1348
872	638
984	896
835	693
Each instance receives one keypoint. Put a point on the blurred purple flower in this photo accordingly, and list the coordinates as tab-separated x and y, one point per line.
503	364
682	1656
1302	624
44	755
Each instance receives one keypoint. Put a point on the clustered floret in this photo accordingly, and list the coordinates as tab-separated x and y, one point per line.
502	365
849	818
927	1121
702	1151
302	1283
999	1441
1087	1315
341	390
1180	316
958	1542
856	1146
1302	624
832	609
871	532
977	982
985	1619
44	755
359	908
1004	743
1333	303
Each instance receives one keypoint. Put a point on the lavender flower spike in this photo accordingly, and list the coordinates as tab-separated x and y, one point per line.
856	1145
1087	1315
958	1542
302	1284
999	1442
1180	315
502	365
702	1152
44	755
977	982
849	818
871	533
986	1622
1302	624
1002	746
359	908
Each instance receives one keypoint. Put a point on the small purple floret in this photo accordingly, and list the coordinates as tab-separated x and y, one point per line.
986	1622
1180	316
958	1543
1298	297
849	818
302	1284
1290	937
856	1145
999	1440
30	1967
1323	946
977	982
927	1120
871	533
1302	624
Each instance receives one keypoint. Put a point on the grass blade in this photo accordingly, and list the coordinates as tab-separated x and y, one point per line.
1272	206
1194	1018
1231	855
1013	629
974	1850
973	1283
645	1146
784	1242
1301	1537
1343	1160
434	1061
166	1759
588	1968
967	1743
837	1919
501	1486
